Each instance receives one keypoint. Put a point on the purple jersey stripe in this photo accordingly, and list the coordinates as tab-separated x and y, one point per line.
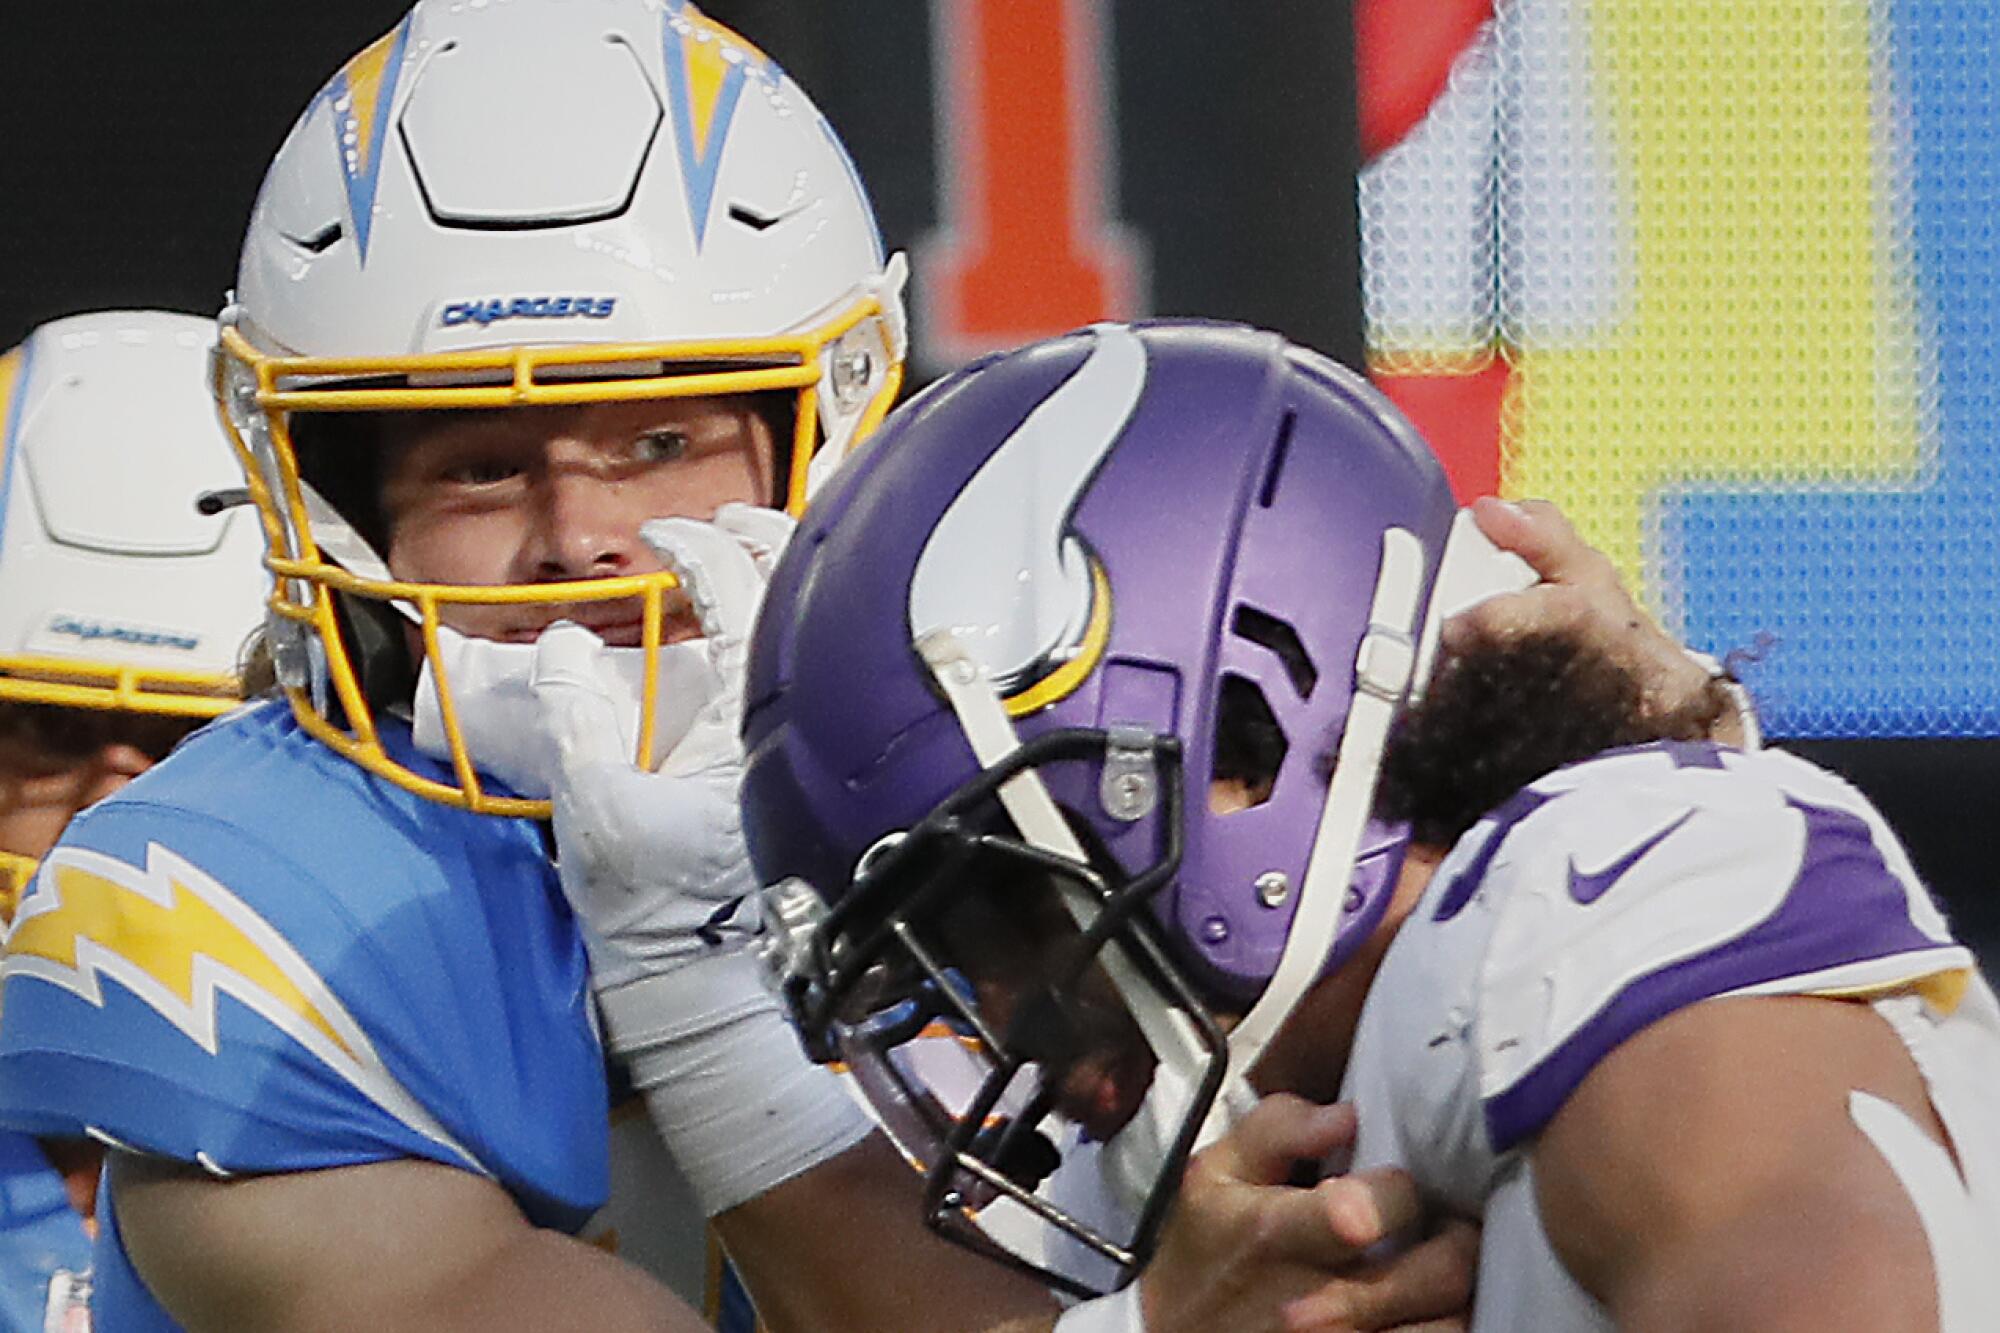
1464	886
1845	906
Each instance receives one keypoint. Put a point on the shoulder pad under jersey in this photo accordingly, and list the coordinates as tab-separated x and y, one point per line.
1651	878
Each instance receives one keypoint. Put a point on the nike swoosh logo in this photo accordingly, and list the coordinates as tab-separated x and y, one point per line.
1588	888
1001	567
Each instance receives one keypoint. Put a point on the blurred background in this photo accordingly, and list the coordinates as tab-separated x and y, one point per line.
1720	276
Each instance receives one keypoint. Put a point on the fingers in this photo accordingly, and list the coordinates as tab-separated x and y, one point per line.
761	531
1281	1131
1544	608
578	709
1580	587
1427	1287
1365	1208
1581	595
715	569
1536	531
1333	1223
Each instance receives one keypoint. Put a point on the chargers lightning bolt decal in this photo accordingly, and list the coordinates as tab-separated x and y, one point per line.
706	65
174	937
1002	570
14	368
361	98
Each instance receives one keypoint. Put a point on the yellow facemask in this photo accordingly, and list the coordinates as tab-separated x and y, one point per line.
314	555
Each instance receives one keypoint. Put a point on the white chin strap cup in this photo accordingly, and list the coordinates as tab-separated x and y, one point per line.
500	722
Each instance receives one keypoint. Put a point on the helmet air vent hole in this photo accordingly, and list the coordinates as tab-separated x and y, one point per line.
1267	631
751	218
1250	748
320	241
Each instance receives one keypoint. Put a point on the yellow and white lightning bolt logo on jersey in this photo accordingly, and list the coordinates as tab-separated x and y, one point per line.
258	957
174	937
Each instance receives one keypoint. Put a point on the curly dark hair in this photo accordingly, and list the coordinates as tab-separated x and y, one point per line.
1500	713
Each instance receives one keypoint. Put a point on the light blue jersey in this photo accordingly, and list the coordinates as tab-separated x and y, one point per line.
40	1234
258	957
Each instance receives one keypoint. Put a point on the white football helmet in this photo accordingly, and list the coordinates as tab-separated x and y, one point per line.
120	588
117	590
538	202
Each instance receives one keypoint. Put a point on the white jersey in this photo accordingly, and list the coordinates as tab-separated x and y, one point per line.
1605	897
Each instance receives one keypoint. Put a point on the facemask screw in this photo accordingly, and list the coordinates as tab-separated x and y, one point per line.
290	658
792	914
852	373
1274	888
877	850
1214	930
1128	788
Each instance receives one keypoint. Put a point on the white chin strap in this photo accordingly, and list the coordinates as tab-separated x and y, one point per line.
1383	671
500	721
992	736
339	543
1393	664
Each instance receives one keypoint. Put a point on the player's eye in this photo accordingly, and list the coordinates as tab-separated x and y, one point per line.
482	471
663	445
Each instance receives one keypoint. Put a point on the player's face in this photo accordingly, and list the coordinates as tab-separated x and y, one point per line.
33	809
40	792
1007	940
551	494
1014	943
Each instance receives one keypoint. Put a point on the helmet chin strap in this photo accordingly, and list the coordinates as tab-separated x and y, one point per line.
1394	662
969	690
340	543
1383	669
1133	1159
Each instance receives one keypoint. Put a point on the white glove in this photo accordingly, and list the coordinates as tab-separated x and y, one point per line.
654	866
648	859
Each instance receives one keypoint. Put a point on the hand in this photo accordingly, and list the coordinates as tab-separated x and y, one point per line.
648	860
1580	592
1243	1250
655	866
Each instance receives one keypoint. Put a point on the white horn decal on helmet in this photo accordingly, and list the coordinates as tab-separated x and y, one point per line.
1001	569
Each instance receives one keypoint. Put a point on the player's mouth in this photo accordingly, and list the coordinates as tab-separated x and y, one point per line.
617	631
621	624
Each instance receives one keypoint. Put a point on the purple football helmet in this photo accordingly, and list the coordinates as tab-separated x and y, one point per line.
1057	670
